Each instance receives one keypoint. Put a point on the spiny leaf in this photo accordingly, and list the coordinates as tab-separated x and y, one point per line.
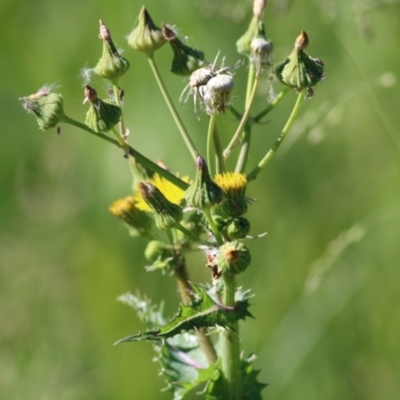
202	312
251	387
183	364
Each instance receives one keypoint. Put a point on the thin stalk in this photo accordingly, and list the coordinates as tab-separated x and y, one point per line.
230	346
139	157
245	117
185	293
185	135
188	233
272	105
271	152
219	159
213	227
210	141
244	150
121	121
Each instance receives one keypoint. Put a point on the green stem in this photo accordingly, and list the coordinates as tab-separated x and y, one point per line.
213	227
139	157
185	293
191	235
210	141
244	150
272	105
230	346
271	152
172	109
253	81
219	159
118	101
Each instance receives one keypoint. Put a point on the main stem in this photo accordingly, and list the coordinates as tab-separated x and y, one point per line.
172	109
230	346
271	152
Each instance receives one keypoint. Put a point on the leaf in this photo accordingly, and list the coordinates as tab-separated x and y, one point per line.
250	386
202	312
183	364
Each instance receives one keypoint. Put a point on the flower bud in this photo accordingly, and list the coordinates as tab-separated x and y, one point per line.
204	192
217	93
233	257
255	30
186	59
261	54
166	214
102	115
299	71
146	37
111	64
47	107
234	186
138	222
232	228
157	250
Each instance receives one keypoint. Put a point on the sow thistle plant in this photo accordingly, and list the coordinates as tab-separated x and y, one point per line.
199	347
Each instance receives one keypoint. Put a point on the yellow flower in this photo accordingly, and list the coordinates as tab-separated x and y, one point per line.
169	190
234	185
231	181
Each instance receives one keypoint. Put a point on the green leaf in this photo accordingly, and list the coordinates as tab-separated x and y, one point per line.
203	312
250	386
183	364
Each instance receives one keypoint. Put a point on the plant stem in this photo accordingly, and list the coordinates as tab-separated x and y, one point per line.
230	346
213	227
271	152
172	109
210	141
139	157
185	293
118	101
272	105
253	82
219	159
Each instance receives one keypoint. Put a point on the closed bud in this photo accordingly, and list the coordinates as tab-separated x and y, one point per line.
47	107
111	64
166	214
102	115
232	228
233	257
300	71
261	54
186	59
204	192
146	37
217	93
234	186
138	222
157	250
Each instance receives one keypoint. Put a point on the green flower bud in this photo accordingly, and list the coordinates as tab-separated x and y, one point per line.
166	214
238	228
102	115
111	64
156	250
138	222
233	257
299	71
204	192
186	59
234	186
47	107
146	37
255	30
217	93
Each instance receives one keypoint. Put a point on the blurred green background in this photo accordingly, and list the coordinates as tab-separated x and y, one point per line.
326	277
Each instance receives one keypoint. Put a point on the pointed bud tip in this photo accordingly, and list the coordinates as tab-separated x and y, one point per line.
302	41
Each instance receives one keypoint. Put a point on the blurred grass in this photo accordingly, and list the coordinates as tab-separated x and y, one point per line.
64	259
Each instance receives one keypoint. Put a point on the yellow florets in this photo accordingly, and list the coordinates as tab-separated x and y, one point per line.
172	192
231	181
